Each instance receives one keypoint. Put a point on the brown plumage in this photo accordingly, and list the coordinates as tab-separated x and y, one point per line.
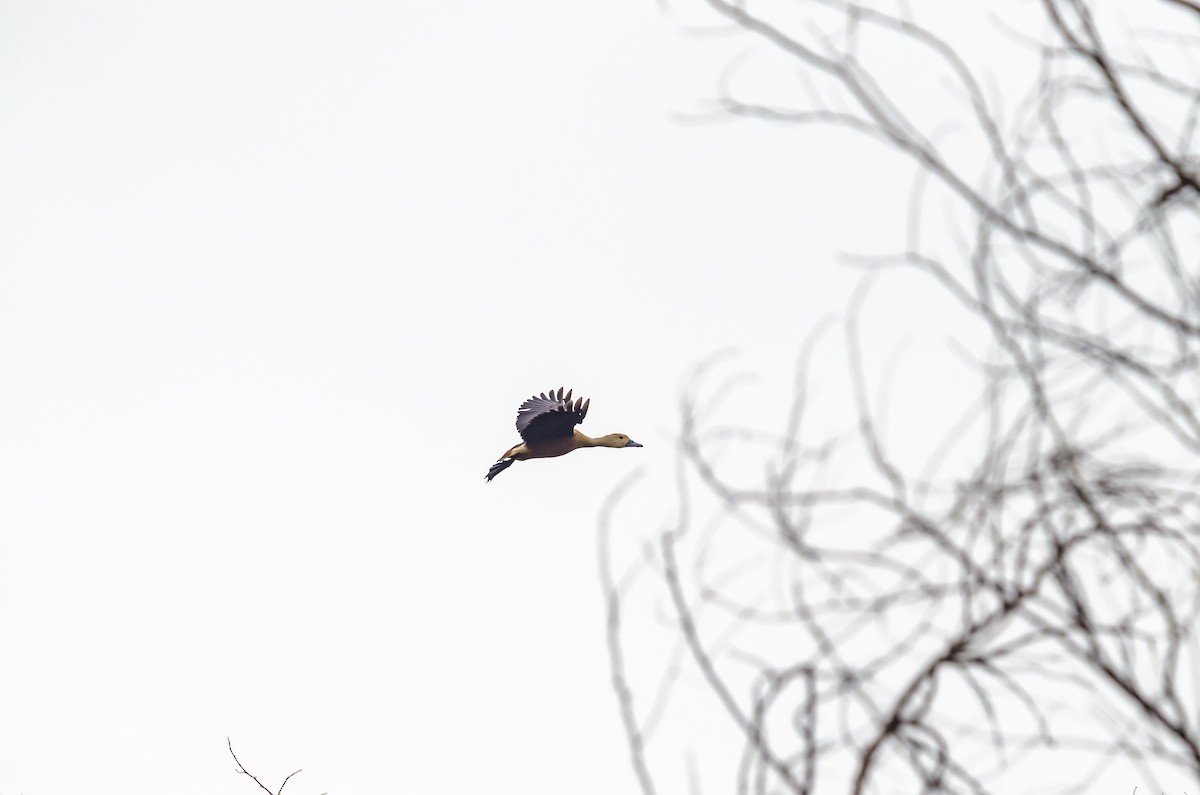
547	423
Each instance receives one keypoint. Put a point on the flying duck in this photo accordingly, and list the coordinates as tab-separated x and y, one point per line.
547	426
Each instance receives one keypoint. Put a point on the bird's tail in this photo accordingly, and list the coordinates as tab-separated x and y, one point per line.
499	466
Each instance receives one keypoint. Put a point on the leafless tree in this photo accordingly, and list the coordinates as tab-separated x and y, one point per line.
1026	600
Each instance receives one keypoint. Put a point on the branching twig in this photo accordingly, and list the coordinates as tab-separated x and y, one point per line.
1044	563
243	771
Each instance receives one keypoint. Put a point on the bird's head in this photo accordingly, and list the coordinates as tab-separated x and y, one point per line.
616	440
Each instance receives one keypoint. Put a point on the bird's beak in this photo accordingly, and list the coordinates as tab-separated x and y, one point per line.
632	443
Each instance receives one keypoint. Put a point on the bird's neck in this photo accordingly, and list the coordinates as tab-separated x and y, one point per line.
583	440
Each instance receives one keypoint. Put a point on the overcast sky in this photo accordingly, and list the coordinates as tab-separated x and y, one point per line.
274	278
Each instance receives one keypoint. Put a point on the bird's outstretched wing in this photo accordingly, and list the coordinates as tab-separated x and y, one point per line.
545	417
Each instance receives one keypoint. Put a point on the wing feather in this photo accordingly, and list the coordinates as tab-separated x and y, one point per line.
545	417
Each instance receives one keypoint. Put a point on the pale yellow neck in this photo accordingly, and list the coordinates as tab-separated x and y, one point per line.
583	440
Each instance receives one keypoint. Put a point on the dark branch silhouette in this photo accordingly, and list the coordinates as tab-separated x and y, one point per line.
1030	592
241	769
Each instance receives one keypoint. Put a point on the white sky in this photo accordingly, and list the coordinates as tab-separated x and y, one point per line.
274	278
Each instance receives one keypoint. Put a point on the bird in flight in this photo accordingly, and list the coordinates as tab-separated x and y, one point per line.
547	427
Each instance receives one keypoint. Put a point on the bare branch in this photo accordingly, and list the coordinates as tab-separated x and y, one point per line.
939	626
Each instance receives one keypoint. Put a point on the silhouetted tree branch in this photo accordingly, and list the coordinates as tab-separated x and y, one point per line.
866	625
241	769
